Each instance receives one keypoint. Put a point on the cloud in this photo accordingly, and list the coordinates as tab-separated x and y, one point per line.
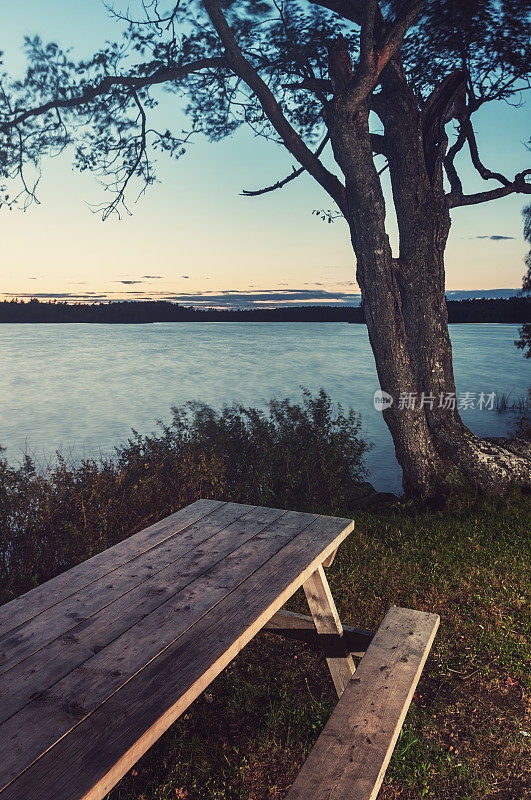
479	294
232	299
152	277
265	298
57	295
129	283
496	237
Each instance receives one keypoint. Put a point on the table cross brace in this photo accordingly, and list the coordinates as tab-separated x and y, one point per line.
327	624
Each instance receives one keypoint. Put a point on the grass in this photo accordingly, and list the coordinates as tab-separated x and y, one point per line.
521	404
465	735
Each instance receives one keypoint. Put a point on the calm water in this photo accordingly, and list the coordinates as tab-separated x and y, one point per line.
82	388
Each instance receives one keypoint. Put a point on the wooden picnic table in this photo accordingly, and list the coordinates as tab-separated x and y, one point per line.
97	663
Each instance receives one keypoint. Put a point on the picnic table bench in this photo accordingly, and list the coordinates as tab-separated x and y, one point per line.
98	662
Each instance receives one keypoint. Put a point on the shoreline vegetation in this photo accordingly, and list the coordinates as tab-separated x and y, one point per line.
466	734
498	310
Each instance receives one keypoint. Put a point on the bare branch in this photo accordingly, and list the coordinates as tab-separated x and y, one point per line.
485	173
131	82
271	107
449	166
158	21
295	174
519	186
133	168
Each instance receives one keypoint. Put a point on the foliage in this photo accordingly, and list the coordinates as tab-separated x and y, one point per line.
106	109
299	455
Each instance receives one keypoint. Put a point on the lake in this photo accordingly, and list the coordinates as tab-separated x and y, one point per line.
81	388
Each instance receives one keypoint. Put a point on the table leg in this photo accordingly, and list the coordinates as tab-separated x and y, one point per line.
328	626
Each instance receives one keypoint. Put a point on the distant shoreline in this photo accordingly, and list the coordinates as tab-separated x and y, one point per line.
516	310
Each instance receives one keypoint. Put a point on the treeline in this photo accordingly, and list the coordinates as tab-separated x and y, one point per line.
513	309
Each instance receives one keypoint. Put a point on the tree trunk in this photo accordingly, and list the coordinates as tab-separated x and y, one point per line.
404	298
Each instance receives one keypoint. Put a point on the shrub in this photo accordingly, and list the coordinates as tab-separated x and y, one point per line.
300	456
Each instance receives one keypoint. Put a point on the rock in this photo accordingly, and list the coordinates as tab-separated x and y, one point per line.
364	496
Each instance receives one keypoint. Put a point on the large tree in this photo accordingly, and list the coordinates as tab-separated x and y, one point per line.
364	78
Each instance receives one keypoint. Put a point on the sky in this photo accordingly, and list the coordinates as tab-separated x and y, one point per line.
194	238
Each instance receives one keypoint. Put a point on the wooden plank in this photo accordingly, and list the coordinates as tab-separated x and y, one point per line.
47	666
23	608
38	725
327	623
64	616
352	753
301	628
102	747
330	560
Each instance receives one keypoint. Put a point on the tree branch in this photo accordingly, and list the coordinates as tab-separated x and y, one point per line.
131	82
295	174
133	168
389	39
445	102
449	166
519	186
158	21
271	107
394	35
316	85
485	173
367	34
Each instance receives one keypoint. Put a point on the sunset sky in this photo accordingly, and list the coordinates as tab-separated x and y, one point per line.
192	236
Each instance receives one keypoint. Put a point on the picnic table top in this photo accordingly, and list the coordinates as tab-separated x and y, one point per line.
98	662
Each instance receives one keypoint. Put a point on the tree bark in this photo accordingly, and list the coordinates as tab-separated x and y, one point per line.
404	298
377	278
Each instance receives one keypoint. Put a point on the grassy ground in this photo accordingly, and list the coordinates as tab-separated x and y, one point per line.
466	736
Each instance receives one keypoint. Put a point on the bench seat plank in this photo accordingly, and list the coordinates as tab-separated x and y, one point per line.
23	608
194	635
352	753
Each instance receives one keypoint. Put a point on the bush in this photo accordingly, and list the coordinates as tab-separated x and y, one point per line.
300	456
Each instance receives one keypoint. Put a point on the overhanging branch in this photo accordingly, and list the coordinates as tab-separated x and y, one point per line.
291	139
518	186
295	174
131	82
